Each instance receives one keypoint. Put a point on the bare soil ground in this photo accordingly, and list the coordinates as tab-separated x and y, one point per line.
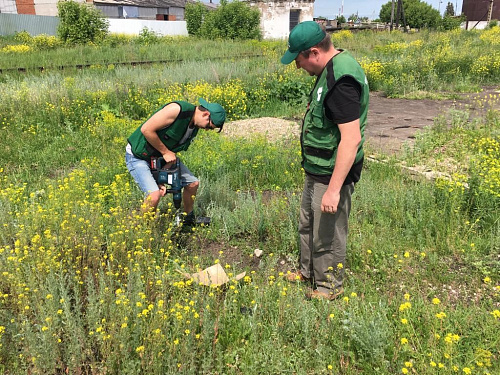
391	122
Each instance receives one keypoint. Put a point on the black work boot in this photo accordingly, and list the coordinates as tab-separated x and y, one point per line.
189	220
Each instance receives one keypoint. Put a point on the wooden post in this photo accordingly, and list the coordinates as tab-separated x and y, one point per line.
392	14
490	11
398	14
403	14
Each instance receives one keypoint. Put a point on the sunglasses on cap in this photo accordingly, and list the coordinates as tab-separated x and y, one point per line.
212	125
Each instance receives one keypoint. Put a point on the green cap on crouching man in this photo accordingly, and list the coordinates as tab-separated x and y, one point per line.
303	36
217	113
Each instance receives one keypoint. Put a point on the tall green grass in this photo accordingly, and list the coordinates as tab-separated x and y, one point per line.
169	49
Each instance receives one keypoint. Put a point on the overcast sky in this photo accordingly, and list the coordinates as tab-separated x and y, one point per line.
369	8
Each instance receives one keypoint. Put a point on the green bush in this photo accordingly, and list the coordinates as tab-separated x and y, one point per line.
450	23
147	37
38	42
234	20
23	37
492	24
80	23
44	42
194	14
115	40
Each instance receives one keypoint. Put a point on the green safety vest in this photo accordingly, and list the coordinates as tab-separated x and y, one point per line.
170	135
320	136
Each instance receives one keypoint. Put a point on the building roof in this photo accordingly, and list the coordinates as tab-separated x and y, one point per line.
209	5
144	3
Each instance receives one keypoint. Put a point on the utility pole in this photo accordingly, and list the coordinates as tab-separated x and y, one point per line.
400	15
392	14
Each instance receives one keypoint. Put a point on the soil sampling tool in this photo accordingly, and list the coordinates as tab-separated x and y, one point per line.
171	179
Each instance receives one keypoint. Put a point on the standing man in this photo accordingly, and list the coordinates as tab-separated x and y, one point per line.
332	155
169	130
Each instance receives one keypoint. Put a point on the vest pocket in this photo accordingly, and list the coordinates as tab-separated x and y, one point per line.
318	152
320	160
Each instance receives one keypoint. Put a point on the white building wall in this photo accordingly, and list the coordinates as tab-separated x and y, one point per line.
474	24
48	7
275	16
135	26
8	6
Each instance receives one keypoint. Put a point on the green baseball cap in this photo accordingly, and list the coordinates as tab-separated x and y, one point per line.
217	113
302	37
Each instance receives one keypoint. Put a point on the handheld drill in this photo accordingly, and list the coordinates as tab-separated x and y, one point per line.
170	177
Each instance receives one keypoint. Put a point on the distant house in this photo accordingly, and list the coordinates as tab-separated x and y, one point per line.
479	13
328	24
164	10
171	10
278	18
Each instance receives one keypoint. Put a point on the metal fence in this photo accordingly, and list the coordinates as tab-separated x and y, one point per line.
35	25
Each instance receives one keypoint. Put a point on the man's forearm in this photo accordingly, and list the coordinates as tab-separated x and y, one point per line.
346	154
155	141
350	139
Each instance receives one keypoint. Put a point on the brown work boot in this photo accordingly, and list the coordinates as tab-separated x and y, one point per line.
316	294
297	276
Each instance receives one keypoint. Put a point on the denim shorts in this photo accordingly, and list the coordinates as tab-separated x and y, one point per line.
140	171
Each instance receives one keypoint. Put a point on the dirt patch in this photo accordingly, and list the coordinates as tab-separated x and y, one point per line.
238	257
273	128
391	122
394	122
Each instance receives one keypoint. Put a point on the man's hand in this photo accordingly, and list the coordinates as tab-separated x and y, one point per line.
163	190
169	158
346	154
330	202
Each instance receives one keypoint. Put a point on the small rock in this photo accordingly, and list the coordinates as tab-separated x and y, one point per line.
258	253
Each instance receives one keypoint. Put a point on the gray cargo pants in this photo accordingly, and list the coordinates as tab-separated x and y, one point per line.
323	236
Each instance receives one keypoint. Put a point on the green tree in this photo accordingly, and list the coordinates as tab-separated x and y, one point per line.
450	10
353	17
235	20
451	23
340	19
80	23
418	14
194	13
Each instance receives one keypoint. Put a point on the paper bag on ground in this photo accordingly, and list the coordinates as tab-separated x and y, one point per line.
213	275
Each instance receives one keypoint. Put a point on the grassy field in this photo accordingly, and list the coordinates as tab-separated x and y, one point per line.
90	286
